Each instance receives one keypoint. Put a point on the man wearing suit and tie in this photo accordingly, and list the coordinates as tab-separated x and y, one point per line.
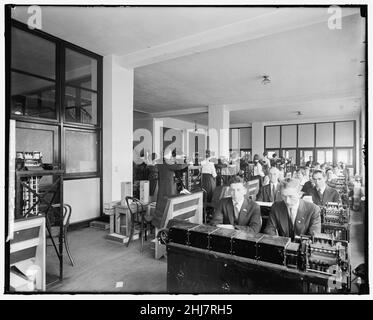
293	216
271	192
239	211
321	193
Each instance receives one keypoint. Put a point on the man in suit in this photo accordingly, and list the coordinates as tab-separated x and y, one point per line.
321	193
238	210
271	192
293	216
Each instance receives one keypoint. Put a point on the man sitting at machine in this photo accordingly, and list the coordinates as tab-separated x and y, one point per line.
238	211
293	216
271	191
321	193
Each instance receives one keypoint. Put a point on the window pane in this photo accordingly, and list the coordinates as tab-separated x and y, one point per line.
29	139
273	137
305	156
81	70
271	152
344	134
289	136
80	106
306	135
32	96
324	156
245	138
290	155
33	54
324	135
345	156
81	151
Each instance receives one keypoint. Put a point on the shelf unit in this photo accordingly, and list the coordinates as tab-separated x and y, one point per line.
38	203
27	248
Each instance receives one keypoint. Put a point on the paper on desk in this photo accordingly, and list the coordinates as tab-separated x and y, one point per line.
226	226
264	204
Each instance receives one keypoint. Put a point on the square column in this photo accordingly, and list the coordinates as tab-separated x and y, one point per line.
117	127
218	131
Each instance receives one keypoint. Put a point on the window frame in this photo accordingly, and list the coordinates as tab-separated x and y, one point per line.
60	48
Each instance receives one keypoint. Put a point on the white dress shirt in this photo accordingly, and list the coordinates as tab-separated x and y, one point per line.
237	207
208	167
293	212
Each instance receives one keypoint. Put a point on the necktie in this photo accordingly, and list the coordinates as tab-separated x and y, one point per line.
293	214
320	194
273	192
236	210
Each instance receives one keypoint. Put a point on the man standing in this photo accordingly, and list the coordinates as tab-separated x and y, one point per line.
293	216
238	211
271	192
321	193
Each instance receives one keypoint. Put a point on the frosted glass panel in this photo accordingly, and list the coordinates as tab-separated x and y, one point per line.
344	134
324	135
345	155
306	135
273	137
36	140
289	136
81	151
323	156
245	138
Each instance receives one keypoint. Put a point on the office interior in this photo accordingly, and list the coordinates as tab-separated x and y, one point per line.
98	96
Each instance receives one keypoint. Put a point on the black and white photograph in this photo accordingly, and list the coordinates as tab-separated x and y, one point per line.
206	150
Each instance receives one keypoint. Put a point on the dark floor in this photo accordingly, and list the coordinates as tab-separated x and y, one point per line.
101	265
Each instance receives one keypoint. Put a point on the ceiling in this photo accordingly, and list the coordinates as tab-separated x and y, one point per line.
312	68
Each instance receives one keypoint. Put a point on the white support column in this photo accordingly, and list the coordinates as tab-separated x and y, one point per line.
117	127
257	136
219	130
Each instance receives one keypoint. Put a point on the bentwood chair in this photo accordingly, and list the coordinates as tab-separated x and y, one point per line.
139	218
66	222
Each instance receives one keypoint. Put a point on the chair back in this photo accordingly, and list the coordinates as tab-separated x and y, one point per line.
131	201
252	188
66	213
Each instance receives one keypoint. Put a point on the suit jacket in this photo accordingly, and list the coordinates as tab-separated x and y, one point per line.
329	195
249	218
166	188
266	196
307	222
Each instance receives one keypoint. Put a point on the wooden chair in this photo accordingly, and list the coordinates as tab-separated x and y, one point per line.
66	222
137	217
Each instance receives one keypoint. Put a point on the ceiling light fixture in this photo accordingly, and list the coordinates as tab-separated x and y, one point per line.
266	79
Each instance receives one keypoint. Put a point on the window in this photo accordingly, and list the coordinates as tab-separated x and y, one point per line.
324	156
272	137
344	134
289	136
291	155
52	85
81	151
33	76
324	134
305	156
306	135
80	88
345	156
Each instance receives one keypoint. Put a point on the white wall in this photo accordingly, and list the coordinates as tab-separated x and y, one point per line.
117	127
83	195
